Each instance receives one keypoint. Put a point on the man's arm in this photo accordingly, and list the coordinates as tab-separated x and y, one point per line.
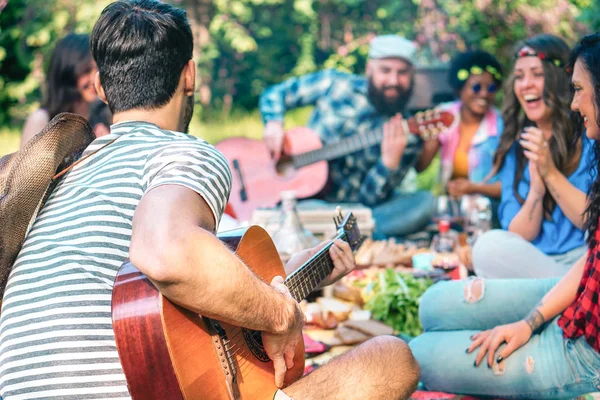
295	92
173	245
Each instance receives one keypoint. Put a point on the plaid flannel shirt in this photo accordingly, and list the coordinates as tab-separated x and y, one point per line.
582	317
342	109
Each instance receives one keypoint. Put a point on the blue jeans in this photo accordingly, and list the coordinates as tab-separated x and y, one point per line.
500	254
548	366
403	214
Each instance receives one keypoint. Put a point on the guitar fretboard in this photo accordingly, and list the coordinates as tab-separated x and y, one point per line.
342	148
308	277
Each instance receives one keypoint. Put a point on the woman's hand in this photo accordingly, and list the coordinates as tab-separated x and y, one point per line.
537	150
514	335
537	185
459	187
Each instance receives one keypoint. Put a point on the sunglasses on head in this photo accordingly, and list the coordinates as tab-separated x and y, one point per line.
490	89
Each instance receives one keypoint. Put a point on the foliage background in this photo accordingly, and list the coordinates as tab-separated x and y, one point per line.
243	46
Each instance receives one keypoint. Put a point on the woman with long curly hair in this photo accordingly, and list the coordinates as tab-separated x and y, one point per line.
543	166
69	84
553	348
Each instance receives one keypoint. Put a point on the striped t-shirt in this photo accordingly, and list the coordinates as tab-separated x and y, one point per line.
56	337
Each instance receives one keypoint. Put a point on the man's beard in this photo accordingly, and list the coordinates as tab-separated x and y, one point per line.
385	106
186	114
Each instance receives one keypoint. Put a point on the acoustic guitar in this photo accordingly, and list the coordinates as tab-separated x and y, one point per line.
169	353
258	179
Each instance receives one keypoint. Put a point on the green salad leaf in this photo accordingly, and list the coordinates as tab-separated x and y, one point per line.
394	297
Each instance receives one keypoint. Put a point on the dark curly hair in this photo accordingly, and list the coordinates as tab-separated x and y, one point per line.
462	65
587	52
70	59
565	143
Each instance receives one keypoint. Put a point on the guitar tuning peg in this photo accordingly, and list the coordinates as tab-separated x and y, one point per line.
338	217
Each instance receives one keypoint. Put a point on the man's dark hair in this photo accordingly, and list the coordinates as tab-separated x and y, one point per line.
141	47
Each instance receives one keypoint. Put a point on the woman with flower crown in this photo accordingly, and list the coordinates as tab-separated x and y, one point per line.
467	148
544	169
472	344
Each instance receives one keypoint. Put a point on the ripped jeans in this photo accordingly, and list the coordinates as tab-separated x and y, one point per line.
548	366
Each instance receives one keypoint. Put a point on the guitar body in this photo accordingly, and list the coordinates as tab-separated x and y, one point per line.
258	179
168	352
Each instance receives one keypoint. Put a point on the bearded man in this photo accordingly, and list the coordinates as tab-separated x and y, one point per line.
347	105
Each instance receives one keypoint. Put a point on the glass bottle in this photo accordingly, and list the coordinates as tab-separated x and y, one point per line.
291	237
444	245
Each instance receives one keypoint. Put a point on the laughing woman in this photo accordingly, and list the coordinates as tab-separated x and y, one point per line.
553	348
544	168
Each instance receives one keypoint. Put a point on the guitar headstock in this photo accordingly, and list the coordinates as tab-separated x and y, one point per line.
429	124
347	225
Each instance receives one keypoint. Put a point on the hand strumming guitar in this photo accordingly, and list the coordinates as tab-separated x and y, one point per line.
340	253
273	138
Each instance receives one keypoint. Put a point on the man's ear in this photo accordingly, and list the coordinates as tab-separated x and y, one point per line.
189	78
99	88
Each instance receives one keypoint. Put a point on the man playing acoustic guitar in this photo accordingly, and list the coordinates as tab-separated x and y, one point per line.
347	106
152	193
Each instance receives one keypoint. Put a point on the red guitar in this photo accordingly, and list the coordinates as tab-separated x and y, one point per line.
170	353
258	179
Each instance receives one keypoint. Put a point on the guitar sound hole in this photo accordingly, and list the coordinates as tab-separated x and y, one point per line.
254	341
284	166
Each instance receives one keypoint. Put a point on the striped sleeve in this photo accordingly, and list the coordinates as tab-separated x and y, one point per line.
195	165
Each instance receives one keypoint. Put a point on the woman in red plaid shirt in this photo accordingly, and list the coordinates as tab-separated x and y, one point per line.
472	344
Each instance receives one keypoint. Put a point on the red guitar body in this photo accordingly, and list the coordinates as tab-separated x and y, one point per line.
262	178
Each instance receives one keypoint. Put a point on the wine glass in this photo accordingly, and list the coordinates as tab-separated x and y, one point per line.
446	208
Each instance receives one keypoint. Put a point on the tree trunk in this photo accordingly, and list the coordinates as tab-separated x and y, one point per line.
200	13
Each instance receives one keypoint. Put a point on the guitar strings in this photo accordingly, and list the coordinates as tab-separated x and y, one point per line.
299	282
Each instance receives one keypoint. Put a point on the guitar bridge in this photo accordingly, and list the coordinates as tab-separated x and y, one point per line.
221	344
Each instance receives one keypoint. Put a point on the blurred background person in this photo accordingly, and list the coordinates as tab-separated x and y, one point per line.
100	118
467	148
69	84
348	105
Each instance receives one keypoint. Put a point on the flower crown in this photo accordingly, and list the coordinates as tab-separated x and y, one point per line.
541	55
463	74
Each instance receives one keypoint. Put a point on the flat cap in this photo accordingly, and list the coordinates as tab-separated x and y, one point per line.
392	46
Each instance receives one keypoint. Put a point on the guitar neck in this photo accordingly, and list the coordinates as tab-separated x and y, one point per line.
307	278
342	148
